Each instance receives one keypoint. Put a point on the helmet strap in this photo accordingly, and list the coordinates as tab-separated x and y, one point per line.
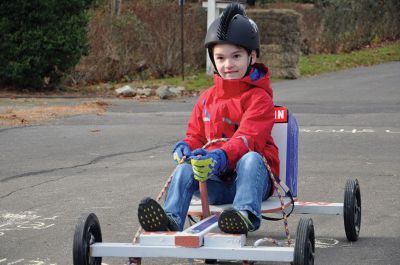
249	65
211	56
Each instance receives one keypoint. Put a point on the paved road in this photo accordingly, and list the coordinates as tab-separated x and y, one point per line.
50	174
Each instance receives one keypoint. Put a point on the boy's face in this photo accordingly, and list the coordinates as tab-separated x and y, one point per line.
231	60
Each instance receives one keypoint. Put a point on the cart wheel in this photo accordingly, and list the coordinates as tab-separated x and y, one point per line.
352	209
304	249
87	232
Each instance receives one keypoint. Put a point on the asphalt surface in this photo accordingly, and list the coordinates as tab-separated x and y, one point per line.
52	173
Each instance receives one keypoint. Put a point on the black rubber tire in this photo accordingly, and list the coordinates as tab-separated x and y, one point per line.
304	249
87	232
352	209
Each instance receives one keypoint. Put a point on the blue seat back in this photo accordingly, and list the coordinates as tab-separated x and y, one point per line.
286	136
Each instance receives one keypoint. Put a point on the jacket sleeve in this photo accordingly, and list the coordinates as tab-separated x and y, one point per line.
195	135
255	126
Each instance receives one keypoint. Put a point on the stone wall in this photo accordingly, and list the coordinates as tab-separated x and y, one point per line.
280	38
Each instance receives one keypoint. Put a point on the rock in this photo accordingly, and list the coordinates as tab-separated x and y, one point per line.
281	40
125	91
177	91
163	92
144	92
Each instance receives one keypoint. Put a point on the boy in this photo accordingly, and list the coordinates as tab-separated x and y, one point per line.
238	107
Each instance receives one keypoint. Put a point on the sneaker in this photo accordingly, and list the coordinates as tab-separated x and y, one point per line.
231	221
153	218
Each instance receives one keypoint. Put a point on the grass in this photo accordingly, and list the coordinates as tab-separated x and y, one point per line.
323	63
308	65
192	82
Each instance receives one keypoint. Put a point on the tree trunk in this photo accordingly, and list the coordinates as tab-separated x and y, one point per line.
116	7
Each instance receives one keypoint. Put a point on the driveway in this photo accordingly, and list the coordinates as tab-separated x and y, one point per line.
52	173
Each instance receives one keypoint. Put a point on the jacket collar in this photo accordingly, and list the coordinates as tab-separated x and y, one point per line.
231	88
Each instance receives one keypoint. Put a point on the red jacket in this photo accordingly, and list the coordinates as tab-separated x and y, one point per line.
241	110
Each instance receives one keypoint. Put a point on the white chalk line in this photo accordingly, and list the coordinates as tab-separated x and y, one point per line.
350	131
24	220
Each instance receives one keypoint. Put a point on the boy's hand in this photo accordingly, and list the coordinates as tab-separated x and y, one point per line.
206	164
181	149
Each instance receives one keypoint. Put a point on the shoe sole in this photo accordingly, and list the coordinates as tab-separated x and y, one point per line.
151	216
230	222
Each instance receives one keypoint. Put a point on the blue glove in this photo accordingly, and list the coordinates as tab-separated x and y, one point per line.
206	164
180	150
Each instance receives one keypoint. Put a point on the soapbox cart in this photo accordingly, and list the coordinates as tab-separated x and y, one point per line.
203	240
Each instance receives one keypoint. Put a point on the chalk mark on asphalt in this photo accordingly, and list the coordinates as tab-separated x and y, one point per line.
352	131
24	220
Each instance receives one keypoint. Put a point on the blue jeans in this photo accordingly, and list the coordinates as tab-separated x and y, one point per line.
250	186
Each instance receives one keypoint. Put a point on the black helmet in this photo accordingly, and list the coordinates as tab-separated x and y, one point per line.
233	27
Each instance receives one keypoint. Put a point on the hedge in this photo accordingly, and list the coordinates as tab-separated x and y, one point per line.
40	40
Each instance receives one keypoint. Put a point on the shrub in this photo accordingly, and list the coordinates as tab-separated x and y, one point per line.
114	47
352	24
143	41
162	46
331	26
40	40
